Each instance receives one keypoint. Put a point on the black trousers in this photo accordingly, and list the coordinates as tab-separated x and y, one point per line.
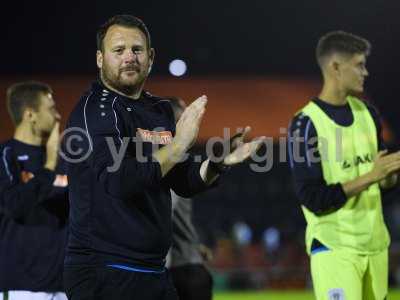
192	282
106	283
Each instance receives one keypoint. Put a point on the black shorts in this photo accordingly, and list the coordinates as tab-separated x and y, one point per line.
192	282
107	283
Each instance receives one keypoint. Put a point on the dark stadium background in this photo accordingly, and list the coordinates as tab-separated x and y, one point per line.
255	61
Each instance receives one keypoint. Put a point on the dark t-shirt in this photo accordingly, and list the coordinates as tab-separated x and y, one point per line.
33	219
123	216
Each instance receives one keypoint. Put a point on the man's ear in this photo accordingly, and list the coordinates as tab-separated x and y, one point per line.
99	59
336	64
334	67
151	59
29	115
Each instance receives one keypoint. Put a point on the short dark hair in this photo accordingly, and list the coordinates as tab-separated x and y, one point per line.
124	21
24	95
341	42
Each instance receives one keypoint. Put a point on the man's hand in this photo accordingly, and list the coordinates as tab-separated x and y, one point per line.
188	125
239	150
187	130
238	139
52	146
243	152
205	252
385	165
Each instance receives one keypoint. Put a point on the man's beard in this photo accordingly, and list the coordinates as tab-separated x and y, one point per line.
117	84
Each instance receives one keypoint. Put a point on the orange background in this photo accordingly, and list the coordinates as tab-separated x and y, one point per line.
264	103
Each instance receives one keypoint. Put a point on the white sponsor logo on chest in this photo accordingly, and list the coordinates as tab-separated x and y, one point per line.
155	137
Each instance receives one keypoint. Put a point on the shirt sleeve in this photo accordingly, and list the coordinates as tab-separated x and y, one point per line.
17	197
310	185
185	179
125	175
57	199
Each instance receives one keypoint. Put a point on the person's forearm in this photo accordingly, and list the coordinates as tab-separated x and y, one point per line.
358	185
169	156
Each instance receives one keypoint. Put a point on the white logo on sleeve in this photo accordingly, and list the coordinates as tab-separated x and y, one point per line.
336	294
23	157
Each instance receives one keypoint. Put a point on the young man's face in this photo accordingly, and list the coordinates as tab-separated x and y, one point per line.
125	61
46	114
352	73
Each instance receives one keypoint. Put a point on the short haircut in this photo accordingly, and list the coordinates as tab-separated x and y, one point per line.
124	21
24	95
342	43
